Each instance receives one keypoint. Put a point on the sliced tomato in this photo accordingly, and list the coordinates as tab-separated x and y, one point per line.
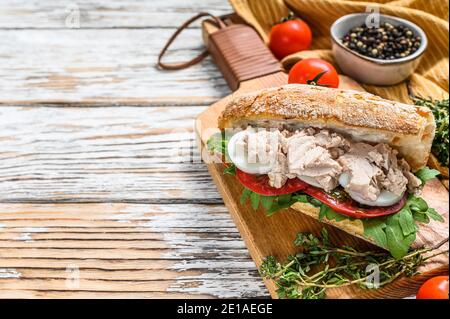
350	208
260	184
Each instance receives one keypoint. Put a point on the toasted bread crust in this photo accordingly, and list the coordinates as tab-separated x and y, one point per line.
362	116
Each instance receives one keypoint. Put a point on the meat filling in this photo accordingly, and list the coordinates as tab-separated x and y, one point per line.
321	156
312	156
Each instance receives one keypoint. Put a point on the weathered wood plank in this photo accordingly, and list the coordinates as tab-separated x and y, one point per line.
103	67
39	260
145	155
103	13
64	294
109	154
123	286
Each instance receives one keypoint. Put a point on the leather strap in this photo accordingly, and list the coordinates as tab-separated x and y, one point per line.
182	65
237	50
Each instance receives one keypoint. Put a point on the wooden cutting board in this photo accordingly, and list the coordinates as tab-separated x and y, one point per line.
274	235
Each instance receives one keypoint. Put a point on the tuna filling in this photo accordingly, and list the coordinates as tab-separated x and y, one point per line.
319	157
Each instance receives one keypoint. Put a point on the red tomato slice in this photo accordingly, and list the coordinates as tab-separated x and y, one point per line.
260	184
351	208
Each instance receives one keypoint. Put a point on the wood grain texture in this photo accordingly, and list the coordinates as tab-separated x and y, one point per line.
54	14
103	67
106	154
123	250
144	219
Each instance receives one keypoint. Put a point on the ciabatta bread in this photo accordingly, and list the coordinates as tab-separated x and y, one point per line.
361	116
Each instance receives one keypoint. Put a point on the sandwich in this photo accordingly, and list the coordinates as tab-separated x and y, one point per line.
347	158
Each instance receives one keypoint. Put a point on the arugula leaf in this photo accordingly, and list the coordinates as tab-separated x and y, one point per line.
277	205
267	202
323	212
433	214
426	173
245	195
218	144
398	244
395	232
401	228
421	217
421	212
254	200
406	221
231	169
284	199
273	204
417	204
315	202
302	198
374	228
330	214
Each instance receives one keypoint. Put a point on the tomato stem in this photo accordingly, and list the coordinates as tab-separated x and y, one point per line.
315	80
290	16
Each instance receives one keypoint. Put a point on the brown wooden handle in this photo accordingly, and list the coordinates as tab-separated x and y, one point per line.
241	55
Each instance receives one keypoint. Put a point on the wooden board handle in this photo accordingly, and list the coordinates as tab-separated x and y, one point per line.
240	54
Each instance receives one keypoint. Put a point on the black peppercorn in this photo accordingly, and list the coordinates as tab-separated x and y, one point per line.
384	42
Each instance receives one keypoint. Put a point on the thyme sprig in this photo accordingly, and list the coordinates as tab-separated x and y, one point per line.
321	266
440	109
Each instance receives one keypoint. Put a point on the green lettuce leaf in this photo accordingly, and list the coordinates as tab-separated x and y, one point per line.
397	243
426	173
374	228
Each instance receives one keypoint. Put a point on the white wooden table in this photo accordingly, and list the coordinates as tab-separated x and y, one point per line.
102	193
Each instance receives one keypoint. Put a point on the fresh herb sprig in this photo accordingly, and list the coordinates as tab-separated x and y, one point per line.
321	265
440	109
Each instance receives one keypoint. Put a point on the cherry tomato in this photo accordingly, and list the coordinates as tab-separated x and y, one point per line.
289	37
260	184
315	72
434	288
350	208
